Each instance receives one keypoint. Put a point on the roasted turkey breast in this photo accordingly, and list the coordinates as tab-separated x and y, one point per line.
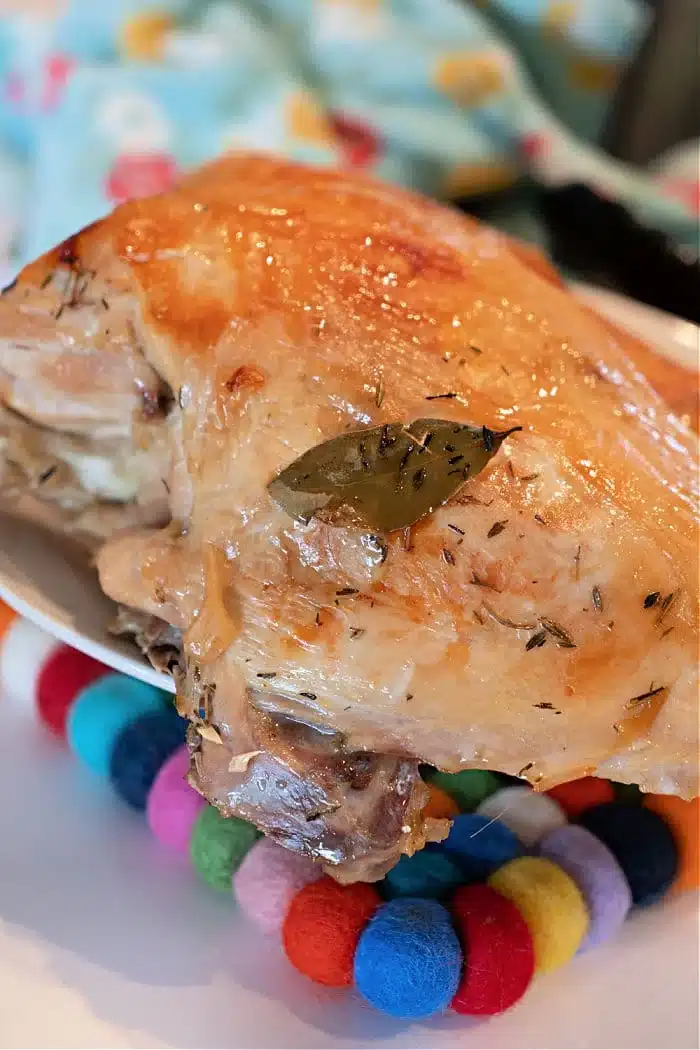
396	496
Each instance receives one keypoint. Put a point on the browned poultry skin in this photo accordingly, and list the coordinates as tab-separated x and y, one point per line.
283	306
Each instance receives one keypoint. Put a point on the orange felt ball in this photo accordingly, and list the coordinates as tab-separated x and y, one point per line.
323	926
440	805
579	795
7	615
683	818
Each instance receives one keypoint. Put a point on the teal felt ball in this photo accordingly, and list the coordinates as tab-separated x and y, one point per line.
408	959
425	874
100	713
218	845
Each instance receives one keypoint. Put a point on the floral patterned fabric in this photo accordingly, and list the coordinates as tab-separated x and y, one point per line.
112	99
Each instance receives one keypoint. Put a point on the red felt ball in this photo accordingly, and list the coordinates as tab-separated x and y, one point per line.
499	958
65	674
579	795
323	926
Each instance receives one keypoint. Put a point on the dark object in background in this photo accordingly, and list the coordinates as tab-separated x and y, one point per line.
657	103
597	240
601	241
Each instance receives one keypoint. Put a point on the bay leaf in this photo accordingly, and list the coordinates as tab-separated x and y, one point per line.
385	477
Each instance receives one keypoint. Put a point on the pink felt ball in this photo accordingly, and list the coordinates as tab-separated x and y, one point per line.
173	806
268	879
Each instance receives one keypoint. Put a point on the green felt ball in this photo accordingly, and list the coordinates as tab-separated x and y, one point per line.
468	788
218	845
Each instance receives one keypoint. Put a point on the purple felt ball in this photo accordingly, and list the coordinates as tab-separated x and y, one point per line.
267	880
598	876
173	806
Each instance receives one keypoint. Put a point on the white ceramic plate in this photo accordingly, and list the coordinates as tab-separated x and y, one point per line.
46	581
106	941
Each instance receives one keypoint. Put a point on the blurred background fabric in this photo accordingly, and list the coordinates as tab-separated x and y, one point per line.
102	100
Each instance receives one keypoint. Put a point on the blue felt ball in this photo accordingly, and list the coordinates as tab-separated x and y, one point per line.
140	750
641	843
425	874
101	711
408	960
479	845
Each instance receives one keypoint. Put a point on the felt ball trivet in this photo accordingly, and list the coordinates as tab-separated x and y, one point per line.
468	788
218	845
579	795
528	814
25	649
499	958
479	845
405	955
139	752
65	674
425	874
7	616
683	819
408	960
322	928
101	711
551	904
440	805
173	806
598	876
268	879
642	844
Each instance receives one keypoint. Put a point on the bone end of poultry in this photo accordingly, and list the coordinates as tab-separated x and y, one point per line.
425	507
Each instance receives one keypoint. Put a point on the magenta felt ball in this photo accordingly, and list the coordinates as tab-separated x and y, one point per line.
267	880
173	806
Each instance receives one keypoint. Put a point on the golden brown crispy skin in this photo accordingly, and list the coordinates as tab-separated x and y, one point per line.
284	305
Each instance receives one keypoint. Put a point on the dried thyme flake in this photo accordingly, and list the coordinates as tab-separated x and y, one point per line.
650	693
496	529
562	637
667	604
505	622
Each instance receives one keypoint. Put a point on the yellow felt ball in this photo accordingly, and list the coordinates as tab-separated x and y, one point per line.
551	904
142	36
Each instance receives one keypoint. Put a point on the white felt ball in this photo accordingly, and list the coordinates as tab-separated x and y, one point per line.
24	651
267	880
529	814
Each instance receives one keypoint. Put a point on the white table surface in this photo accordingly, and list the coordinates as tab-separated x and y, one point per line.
106	941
